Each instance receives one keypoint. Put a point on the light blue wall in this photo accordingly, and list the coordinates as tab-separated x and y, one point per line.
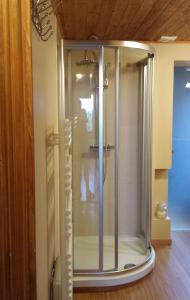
179	175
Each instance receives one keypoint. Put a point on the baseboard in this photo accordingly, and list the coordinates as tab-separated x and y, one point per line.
167	242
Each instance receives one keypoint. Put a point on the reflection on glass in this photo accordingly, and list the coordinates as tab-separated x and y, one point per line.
88	105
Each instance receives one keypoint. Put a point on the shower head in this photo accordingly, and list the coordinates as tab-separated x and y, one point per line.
86	60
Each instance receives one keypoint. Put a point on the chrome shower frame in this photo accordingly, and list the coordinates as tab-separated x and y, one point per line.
147	161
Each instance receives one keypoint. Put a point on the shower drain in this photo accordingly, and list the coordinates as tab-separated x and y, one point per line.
128	266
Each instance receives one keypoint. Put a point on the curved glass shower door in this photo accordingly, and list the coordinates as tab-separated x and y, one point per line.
108	99
134	168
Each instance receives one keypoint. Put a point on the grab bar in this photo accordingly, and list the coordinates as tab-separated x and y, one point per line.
94	148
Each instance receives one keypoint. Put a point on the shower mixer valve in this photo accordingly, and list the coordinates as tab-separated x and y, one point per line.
106	148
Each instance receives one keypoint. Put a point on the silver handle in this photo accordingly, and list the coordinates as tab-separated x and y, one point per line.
106	148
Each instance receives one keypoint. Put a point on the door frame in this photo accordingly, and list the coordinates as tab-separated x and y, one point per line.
17	190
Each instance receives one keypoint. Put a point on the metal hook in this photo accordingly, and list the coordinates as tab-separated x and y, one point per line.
46	39
45	33
41	10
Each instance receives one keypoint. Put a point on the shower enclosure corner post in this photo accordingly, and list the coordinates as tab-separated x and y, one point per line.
101	157
116	155
65	253
150	122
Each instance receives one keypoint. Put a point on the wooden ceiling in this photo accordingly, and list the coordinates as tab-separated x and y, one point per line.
143	20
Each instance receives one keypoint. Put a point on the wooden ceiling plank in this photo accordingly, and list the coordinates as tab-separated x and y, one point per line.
104	16
123	29
116	17
139	17
94	8
124	19
160	25
183	32
69	19
169	28
151	18
80	30
127	15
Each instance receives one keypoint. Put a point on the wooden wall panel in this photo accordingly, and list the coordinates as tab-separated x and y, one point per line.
4	224
17	151
144	20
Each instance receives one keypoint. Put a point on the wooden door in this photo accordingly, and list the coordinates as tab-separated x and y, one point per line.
17	194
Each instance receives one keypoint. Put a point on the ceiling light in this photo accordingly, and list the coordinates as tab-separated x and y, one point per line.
167	38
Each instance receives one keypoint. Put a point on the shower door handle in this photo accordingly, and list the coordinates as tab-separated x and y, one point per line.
94	148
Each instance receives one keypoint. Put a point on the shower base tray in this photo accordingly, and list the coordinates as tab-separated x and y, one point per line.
131	253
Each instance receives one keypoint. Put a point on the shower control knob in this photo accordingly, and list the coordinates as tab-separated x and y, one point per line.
106	148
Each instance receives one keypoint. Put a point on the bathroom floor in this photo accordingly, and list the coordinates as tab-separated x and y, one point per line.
170	280
131	251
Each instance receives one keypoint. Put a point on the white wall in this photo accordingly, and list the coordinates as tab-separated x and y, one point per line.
165	56
45	94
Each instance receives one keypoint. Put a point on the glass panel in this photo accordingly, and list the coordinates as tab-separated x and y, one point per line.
109	159
125	157
132	249
81	71
145	145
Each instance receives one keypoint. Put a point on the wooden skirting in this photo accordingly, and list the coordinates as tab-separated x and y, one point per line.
161	242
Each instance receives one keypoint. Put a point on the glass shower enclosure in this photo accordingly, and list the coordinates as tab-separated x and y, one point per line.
108	87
